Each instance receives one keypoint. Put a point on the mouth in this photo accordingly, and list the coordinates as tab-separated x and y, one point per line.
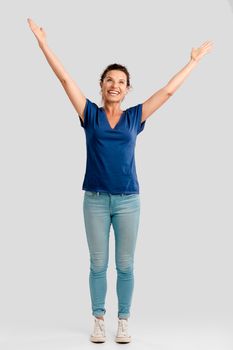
113	93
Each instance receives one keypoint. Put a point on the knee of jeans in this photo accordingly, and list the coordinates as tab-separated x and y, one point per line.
98	263
98	268
125	265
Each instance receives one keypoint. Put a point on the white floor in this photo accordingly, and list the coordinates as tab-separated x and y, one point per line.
165	335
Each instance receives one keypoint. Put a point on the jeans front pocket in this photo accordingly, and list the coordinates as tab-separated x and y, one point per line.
90	193
131	195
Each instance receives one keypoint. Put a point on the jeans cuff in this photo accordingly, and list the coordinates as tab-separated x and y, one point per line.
123	315
101	314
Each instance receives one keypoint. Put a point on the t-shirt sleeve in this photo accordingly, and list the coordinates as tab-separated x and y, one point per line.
90	110
138	117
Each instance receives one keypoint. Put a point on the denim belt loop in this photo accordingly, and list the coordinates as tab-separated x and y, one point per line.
97	193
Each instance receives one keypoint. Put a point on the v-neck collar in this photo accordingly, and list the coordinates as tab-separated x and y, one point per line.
108	120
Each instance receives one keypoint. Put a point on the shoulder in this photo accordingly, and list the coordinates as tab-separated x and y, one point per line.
90	112
135	109
135	112
91	107
91	103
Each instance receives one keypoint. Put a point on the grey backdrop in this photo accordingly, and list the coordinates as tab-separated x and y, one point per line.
183	259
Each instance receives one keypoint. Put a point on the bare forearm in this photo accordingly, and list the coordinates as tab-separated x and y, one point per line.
54	62
178	79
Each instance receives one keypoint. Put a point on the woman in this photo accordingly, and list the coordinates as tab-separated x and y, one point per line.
111	187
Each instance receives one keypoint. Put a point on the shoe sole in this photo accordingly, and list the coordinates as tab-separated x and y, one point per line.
97	339
123	340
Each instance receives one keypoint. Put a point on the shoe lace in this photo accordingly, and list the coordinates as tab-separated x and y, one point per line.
99	327
123	326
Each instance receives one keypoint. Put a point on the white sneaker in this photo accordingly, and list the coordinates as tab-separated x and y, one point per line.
122	332
98	335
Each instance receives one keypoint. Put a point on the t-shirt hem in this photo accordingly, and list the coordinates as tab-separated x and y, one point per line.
100	190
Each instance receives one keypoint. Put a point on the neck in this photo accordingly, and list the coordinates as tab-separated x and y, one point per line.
112	108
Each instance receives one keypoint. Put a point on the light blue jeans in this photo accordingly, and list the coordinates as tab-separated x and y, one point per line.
101	209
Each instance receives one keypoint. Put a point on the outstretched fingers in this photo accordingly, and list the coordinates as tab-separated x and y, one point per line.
207	44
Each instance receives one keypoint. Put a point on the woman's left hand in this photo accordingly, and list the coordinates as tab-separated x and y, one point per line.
198	53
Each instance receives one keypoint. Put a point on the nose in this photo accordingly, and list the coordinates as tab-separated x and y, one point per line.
115	86
114	83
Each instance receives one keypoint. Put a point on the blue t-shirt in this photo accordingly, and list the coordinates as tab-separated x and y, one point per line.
110	162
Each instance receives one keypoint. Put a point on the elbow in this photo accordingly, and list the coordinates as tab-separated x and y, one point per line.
168	91
63	81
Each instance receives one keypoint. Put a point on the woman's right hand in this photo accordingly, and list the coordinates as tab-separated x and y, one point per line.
37	31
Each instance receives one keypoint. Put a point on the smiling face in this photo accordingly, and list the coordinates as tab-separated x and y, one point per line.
114	86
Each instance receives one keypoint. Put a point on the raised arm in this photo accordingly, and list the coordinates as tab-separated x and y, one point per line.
72	90
162	95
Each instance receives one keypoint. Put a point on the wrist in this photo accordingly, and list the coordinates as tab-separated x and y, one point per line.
42	44
193	60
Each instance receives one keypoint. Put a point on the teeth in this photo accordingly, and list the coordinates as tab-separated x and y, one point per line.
113	92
